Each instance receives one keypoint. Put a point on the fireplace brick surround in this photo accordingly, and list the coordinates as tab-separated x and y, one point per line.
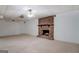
46	27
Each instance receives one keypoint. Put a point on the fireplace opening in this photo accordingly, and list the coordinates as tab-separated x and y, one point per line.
45	32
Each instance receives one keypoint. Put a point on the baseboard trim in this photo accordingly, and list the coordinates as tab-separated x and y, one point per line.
11	35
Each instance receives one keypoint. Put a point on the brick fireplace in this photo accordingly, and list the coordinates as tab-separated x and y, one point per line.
46	27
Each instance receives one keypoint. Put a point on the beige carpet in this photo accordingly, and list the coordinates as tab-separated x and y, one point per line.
31	44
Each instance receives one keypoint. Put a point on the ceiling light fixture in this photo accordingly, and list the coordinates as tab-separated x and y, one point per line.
30	13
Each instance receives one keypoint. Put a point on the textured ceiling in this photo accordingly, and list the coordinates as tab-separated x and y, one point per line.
38	10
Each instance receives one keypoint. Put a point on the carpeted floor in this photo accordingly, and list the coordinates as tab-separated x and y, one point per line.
31	44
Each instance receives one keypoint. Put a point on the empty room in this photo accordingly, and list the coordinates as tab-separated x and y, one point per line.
39	28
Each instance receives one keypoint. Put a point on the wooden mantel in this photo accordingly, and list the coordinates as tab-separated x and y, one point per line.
45	24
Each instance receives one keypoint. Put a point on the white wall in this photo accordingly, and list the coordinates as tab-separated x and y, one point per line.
21	27
9	28
13	28
31	27
67	27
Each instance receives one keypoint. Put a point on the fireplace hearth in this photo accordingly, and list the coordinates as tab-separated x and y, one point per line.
46	27
45	32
